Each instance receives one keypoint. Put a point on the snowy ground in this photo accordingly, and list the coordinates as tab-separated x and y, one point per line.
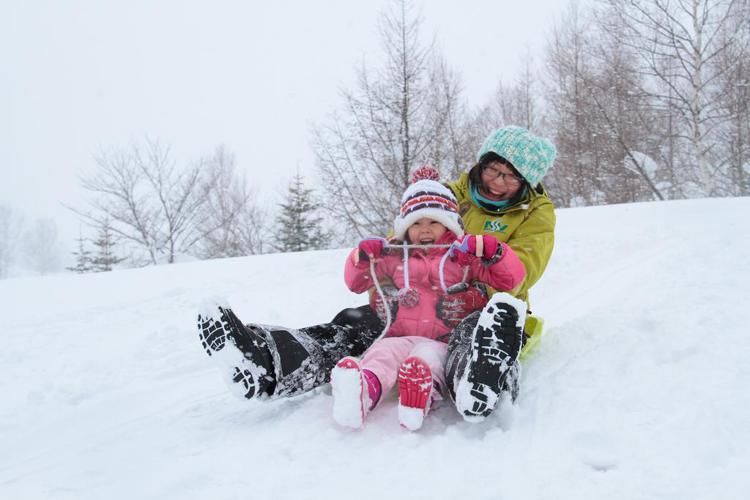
639	388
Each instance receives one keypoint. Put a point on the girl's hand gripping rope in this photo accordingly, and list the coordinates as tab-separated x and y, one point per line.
369	248
485	247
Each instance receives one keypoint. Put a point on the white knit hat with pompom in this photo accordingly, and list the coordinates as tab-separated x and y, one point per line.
426	197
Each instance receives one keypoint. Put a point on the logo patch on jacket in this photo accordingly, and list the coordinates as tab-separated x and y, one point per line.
494	226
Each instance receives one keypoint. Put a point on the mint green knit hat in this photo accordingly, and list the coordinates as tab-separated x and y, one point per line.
532	156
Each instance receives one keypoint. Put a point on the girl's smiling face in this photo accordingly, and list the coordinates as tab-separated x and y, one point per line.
499	181
425	231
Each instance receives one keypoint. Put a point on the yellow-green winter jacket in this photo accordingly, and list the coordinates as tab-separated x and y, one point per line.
528	227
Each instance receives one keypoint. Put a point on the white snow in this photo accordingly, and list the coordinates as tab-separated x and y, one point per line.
410	418
347	395
644	161
639	388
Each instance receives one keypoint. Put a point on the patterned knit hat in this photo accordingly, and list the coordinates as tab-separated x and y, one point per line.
532	156
426	197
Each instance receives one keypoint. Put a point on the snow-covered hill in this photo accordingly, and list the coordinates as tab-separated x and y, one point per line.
638	390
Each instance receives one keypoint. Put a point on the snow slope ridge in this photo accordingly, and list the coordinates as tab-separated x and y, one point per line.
638	389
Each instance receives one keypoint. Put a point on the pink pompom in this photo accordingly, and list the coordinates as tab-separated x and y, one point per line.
425	172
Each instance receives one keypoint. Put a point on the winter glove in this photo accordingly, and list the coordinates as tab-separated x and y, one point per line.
371	248
487	247
454	307
391	298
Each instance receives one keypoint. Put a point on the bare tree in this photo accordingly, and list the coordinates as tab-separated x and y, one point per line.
636	104
178	195
42	248
575	179
516	103
118	193
628	127
232	224
407	113
678	43
456	140
733	98
11	229
149	202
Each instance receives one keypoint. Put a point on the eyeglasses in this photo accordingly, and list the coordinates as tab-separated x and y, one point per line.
508	178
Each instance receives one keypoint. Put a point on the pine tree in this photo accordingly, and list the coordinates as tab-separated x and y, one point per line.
299	228
105	258
83	258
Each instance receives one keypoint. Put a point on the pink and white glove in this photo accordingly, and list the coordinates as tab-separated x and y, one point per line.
486	247
370	248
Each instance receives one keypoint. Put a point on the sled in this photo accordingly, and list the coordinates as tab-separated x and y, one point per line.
533	328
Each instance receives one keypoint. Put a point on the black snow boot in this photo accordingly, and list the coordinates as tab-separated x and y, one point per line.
242	352
278	362
212	330
489	366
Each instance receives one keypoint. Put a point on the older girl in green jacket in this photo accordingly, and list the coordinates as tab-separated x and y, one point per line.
501	195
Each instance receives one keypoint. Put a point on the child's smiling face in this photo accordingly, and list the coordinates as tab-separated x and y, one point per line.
425	231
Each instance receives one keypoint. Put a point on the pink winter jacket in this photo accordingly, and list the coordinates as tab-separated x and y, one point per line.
424	277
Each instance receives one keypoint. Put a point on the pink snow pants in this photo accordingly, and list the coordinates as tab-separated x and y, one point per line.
385	356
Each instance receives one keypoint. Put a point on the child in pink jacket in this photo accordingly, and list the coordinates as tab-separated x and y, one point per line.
414	347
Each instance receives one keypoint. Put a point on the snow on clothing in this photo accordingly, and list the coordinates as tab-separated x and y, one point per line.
528	227
424	277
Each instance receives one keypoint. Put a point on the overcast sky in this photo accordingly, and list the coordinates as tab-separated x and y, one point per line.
79	75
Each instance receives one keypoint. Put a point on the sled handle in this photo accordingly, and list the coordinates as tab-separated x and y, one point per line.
408	245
